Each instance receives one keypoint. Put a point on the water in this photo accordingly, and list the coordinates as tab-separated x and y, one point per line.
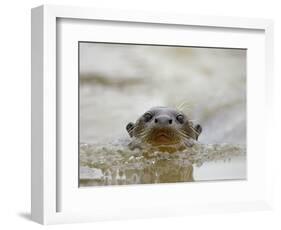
116	164
118	83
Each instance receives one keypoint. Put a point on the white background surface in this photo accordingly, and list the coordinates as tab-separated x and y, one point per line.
15	114
92	200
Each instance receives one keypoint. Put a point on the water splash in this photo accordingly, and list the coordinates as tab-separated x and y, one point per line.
116	164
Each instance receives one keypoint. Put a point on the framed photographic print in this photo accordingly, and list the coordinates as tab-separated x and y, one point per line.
138	114
154	86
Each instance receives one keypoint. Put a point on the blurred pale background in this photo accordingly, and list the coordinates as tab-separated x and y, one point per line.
118	83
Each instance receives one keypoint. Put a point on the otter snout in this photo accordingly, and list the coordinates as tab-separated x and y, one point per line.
163	120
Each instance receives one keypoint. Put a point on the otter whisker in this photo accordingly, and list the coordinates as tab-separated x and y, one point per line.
139	133
194	130
183	134
143	134
184	107
181	105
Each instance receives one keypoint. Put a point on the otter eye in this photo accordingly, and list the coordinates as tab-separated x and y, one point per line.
147	117
180	118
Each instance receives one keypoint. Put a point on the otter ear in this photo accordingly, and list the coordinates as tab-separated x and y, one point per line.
198	129
129	128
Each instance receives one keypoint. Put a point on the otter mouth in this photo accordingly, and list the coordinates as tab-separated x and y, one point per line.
163	137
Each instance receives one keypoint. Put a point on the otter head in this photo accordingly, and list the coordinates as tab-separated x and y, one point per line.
164	126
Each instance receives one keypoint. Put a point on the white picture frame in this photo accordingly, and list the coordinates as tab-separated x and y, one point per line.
53	185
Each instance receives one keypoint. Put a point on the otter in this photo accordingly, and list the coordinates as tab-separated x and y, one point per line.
164	129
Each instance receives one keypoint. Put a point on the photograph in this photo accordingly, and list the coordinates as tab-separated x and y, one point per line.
154	113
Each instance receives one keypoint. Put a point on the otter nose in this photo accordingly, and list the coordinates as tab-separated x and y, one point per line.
163	120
